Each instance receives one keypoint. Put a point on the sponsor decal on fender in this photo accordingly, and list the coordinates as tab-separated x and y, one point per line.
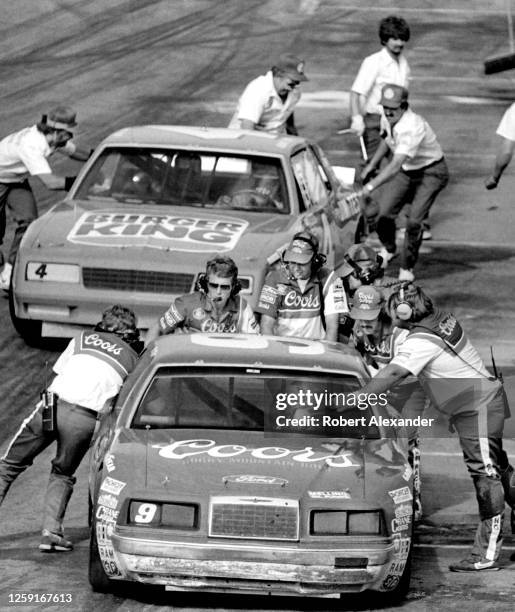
174	232
107	514
401	495
401	524
109	462
110	501
182	449
404	510
111	485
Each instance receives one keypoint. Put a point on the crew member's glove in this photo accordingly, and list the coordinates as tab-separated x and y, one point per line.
357	125
491	182
354	198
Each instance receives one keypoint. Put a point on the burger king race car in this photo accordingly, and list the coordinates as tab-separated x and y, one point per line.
250	464
154	203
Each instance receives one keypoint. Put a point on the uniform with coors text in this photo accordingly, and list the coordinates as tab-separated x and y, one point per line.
90	373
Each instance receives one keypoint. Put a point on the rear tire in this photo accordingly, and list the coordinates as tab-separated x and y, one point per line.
98	579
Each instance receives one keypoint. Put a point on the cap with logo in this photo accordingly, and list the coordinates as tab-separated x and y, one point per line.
300	251
366	303
62	118
292	66
392	96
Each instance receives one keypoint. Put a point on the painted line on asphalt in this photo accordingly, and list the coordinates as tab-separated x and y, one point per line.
404	9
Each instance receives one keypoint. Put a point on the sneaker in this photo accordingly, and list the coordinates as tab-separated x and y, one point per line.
406	275
386	256
5	276
473	564
427	235
401	233
53	542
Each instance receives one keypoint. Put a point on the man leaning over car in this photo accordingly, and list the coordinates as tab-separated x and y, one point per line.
214	307
24	154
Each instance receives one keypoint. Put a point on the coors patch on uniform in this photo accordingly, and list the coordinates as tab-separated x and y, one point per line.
173	232
198	313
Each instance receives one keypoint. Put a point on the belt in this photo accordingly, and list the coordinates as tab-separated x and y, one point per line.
426	167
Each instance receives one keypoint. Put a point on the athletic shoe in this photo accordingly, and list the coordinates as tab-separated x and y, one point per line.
427	235
473	564
406	275
53	542
386	256
5	276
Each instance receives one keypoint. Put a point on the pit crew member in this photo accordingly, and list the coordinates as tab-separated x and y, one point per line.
90	373
214	307
417	168
452	373
24	154
268	101
302	298
506	131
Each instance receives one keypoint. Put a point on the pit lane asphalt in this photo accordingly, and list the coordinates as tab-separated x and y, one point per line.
187	62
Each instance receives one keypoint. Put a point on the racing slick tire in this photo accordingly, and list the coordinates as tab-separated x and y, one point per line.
28	329
98	579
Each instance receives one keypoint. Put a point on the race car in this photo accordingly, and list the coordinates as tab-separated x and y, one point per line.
250	464
153	204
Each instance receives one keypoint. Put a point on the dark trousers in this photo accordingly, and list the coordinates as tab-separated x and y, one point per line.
423	185
75	428
22	204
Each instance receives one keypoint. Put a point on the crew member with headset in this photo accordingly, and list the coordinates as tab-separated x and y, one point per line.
90	373
215	306
24	154
452	373
363	266
302	297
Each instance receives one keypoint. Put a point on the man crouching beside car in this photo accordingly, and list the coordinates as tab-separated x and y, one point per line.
214	306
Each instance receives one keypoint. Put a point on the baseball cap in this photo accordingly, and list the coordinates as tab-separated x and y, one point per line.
366	303
359	253
299	251
392	96
62	118
292	66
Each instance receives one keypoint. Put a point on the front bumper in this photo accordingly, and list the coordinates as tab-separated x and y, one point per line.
276	570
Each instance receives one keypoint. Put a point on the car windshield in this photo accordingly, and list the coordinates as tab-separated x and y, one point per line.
187	178
254	399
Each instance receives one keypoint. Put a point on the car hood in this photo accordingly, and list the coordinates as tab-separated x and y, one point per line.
201	462
76	224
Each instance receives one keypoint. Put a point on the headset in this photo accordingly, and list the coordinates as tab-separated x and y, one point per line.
366	276
403	310
318	259
202	283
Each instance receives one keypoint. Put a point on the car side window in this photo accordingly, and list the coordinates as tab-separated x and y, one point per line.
310	177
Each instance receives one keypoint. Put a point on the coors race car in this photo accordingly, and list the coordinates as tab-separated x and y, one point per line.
153	204
199	482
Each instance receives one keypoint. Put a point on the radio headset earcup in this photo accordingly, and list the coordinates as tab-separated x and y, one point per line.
403	310
236	288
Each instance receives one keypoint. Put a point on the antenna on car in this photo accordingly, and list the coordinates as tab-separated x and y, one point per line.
147	427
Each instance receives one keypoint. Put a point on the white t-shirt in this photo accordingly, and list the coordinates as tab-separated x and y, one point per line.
261	104
92	391
506	127
412	136
455	384
376	71
22	154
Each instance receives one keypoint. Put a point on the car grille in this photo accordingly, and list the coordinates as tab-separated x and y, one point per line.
254	518
137	280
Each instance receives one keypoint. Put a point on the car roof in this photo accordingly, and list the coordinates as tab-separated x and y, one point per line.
203	349
205	138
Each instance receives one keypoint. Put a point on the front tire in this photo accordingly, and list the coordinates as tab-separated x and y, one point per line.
98	579
28	329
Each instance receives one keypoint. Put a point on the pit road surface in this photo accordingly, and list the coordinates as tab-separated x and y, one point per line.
153	61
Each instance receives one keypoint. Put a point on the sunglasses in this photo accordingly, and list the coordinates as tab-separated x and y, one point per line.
223	286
